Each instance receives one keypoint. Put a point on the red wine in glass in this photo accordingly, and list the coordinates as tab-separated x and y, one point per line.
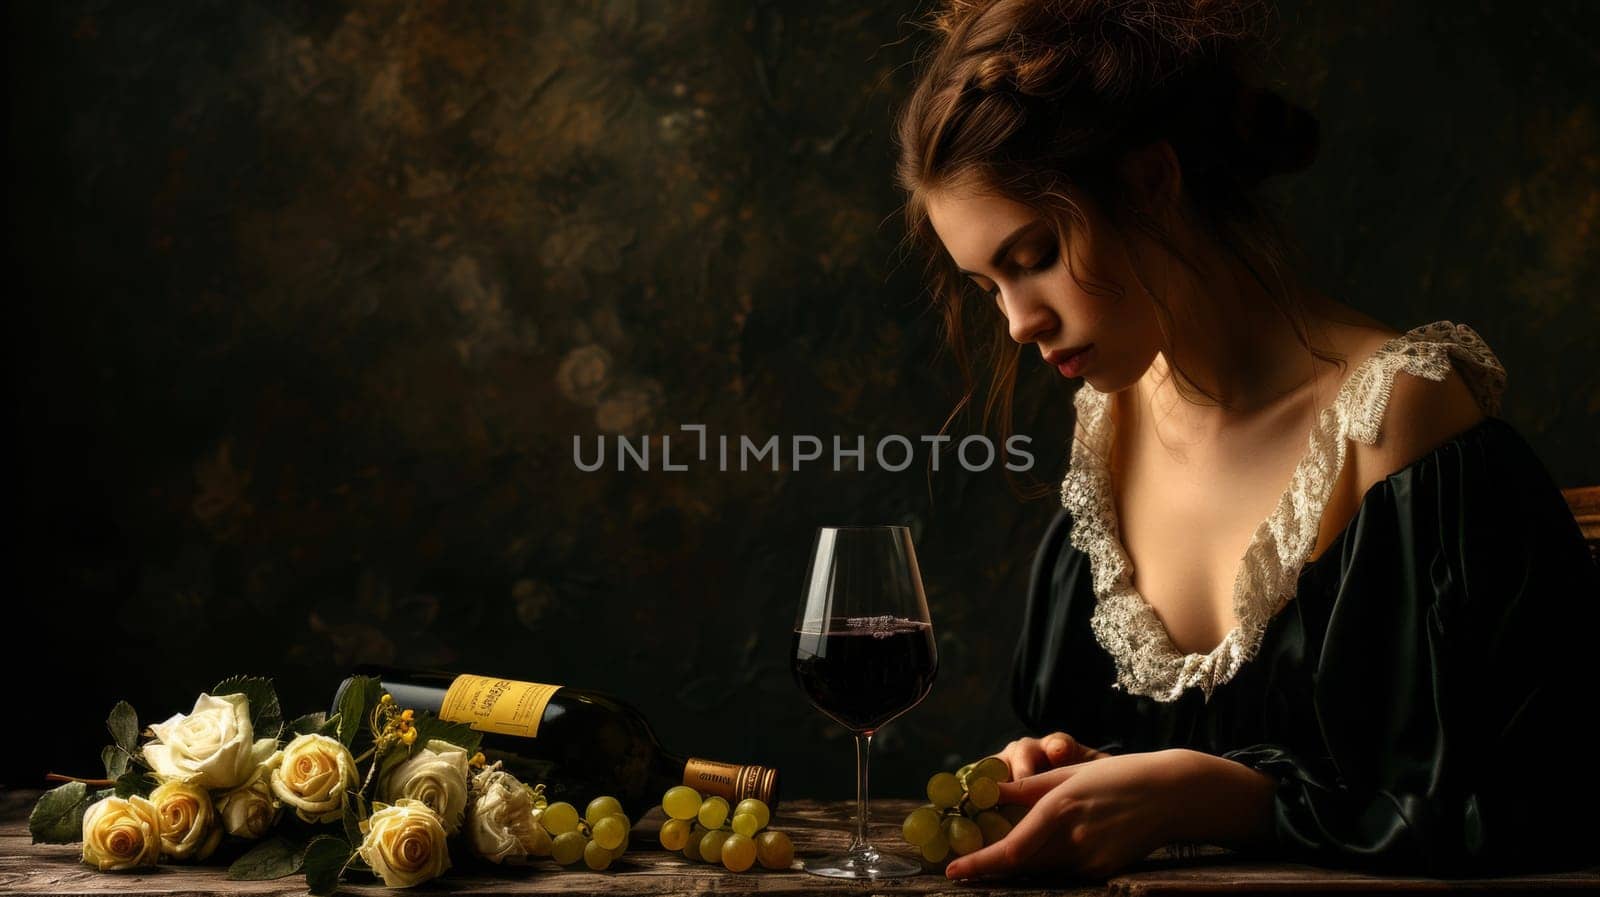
864	653
865	671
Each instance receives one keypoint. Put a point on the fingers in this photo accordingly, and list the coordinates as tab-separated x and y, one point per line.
1029	756
1062	749
1027	791
1025	756
1007	855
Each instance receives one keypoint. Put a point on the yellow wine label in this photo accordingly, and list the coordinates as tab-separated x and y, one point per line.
505	706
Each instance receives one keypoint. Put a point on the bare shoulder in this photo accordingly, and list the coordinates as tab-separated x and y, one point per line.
1422	415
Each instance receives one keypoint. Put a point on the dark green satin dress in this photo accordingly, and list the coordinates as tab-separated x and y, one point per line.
1425	697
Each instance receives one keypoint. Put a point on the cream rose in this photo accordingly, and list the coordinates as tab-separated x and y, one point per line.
405	844
312	774
121	833
189	825
214	746
500	821
435	775
250	810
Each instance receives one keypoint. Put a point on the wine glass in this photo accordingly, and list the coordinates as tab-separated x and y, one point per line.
864	654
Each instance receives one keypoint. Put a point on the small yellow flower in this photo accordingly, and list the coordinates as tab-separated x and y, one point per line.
409	736
386	699
408	714
479	761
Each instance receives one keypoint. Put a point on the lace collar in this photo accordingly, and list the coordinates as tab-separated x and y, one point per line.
1147	661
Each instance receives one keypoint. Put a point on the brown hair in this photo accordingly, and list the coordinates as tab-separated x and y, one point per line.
1036	100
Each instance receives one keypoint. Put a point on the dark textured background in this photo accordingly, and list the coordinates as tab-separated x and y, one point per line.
309	300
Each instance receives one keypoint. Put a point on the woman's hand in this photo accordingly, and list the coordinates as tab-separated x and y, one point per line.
1028	756
1094	819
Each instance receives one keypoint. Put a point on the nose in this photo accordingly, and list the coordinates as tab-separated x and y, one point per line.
1028	316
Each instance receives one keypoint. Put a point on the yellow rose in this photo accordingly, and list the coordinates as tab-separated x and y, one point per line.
312	774
500	820
213	747
189	826
121	834
405	844
435	775
250	811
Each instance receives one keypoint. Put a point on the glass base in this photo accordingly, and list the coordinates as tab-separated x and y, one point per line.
862	864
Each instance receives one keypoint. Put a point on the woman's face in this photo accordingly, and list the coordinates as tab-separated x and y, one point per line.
1010	251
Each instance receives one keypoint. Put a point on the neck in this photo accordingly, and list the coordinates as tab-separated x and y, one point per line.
1233	342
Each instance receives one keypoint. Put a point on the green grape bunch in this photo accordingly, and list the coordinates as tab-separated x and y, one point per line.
707	830
963	812
598	838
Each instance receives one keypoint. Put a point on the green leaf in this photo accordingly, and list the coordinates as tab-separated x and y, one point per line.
266	716
355	706
326	857
310	724
273	858
115	760
135	782
355	810
124	726
58	816
430	728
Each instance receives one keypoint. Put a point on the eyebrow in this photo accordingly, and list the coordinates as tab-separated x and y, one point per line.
1005	246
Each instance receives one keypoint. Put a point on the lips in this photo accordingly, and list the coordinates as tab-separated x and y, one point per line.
1070	362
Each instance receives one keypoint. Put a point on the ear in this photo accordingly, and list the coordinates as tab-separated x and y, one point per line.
1153	176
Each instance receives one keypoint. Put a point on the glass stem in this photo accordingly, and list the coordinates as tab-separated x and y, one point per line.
863	757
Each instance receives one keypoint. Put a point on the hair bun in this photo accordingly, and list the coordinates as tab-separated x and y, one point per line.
1273	135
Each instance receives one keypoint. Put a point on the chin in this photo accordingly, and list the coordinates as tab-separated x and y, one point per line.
1112	374
1109	382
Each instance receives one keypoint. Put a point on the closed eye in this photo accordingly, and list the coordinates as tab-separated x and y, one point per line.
1045	262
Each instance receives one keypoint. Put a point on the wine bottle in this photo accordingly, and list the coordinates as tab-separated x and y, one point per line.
579	743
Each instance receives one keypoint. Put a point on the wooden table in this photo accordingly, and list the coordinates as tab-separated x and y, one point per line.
815	827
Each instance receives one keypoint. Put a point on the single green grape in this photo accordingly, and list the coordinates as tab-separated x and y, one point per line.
675	833
963	834
774	850
993	825
757	809
609	831
935	849
568	848
738	852
691	849
711	845
944	790
595	856
681	802
922	824
535	840
600	808
983	792
992	768
966	768
746	824
713	812
560	818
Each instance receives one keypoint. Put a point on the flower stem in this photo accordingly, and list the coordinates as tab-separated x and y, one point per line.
58	777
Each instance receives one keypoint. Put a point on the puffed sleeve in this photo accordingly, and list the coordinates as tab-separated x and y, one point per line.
1058	673
1454	680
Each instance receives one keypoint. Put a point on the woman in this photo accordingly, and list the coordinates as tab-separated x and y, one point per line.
1309	597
